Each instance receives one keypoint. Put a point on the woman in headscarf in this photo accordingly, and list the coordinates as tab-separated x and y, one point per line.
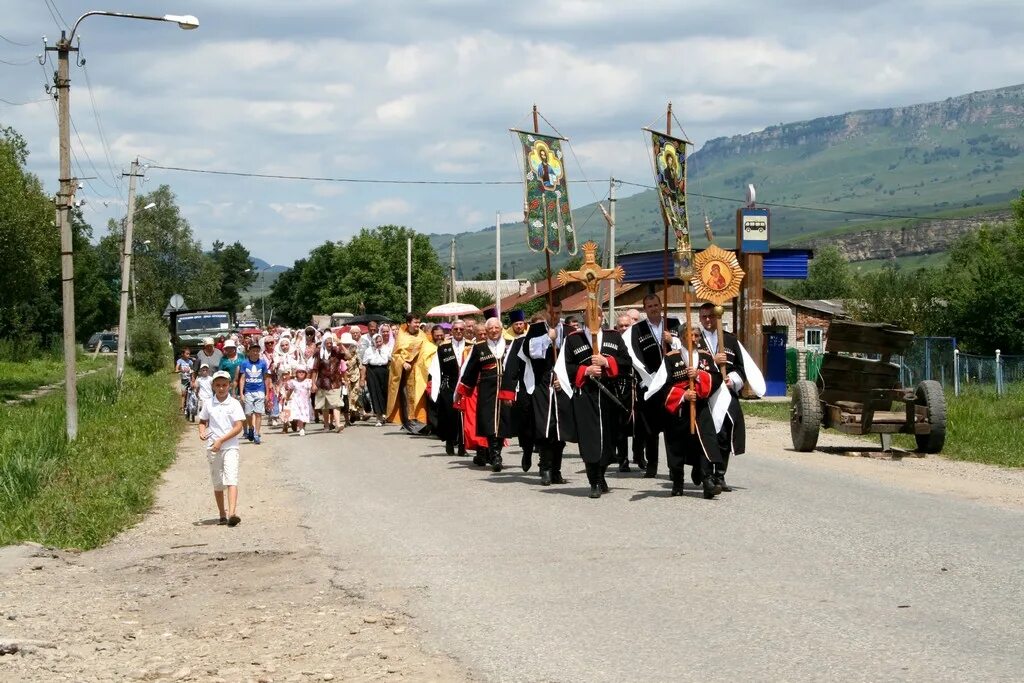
375	381
273	399
388	335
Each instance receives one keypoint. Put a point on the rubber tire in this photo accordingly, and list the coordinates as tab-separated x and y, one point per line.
805	416
104	349
930	395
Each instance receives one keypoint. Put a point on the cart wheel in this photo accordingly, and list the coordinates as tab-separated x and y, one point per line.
930	395
805	416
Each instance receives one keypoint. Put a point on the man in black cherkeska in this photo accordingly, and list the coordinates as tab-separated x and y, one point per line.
596	415
731	430
626	392
444	377
518	378
646	342
484	371
681	447
552	403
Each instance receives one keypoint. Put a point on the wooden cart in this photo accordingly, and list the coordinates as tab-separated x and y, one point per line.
860	396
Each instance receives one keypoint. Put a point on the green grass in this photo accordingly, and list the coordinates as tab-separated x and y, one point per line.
980	426
18	378
80	495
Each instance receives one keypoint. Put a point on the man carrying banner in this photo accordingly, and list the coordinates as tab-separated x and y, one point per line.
646	342
725	405
552	407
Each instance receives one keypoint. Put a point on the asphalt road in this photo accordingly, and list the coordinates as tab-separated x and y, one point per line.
800	574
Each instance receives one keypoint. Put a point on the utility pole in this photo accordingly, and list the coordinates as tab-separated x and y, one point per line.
127	275
497	263
451	270
408	276
611	252
65	195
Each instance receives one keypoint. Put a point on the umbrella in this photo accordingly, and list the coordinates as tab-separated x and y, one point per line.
452	309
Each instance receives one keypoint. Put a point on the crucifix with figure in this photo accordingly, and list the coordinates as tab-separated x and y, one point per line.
591	274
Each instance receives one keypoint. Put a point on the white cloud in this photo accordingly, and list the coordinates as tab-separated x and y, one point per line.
387	209
297	212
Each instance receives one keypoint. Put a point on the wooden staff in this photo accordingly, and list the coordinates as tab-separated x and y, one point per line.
719	312
664	282
689	356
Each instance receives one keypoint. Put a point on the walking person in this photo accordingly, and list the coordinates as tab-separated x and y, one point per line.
220	423
229	363
203	384
353	375
210	354
552	394
626	393
376	360
253	385
185	369
297	403
329	378
484	373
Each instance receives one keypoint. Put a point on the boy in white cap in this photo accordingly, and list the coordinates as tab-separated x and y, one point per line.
220	423
204	383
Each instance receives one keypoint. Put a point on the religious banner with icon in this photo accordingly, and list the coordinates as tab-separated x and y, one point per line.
546	207
717	275
670	173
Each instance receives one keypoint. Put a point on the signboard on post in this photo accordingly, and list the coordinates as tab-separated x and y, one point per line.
752	231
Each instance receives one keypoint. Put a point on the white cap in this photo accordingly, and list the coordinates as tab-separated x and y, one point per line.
229	344
204	365
207	341
346	338
222	374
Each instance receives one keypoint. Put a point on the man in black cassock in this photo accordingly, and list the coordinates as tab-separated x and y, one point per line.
732	434
597	418
647	341
626	392
552	403
518	378
444	377
681	447
484	371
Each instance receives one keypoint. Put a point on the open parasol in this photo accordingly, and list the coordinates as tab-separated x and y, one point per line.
451	309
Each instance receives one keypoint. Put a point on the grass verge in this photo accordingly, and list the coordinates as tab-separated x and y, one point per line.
18	378
80	495
980	426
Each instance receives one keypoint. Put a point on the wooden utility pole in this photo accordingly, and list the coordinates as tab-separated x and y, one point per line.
751	301
451	271
126	271
611	251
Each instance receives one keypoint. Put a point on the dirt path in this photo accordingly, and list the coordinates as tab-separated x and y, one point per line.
180	598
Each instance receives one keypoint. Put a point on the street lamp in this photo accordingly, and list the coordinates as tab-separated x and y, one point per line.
65	198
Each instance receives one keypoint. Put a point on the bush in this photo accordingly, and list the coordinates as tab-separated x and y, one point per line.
149	342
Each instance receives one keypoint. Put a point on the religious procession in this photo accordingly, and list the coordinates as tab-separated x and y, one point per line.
615	387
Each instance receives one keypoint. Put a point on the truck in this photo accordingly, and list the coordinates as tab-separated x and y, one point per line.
188	328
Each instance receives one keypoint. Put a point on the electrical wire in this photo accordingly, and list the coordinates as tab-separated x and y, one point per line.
51	4
22	104
25	63
14	42
115	176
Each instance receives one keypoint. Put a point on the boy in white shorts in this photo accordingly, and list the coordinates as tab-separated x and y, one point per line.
220	422
204	383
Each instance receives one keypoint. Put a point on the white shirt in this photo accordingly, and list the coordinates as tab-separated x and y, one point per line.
205	389
497	347
457	347
221	417
658	329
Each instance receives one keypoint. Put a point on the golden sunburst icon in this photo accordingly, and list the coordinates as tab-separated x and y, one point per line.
717	275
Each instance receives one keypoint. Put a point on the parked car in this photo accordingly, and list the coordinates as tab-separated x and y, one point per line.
106	341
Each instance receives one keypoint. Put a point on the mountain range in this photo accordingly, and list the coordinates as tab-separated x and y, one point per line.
847	173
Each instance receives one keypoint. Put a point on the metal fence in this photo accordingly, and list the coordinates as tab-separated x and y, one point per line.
986	373
929	358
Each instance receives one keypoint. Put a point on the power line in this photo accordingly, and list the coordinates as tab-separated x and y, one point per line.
52	6
14	42
25	63
22	104
103	136
798	207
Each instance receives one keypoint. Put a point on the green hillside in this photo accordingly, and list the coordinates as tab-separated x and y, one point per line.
961	154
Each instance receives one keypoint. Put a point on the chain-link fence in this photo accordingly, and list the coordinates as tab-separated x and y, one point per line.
928	358
986	373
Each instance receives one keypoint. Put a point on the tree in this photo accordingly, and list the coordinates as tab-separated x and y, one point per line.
173	262
29	247
908	299
237	272
829	277
477	297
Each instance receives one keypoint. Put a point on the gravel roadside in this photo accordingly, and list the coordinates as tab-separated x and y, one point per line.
178	597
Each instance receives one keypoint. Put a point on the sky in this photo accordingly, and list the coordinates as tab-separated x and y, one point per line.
427	90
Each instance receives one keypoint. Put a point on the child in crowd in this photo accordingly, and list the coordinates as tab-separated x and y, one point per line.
220	423
299	408
204	384
253	382
283	378
183	366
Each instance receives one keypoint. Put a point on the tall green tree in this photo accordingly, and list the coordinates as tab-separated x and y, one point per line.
829	277
29	246
237	272
168	259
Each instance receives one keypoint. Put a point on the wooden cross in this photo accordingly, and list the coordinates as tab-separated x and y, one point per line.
591	274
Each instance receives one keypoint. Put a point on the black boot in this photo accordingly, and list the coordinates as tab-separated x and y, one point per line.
480	458
449	447
720	480
545	477
711	489
677	482
527	459
496	460
603	484
624	466
556	477
595	492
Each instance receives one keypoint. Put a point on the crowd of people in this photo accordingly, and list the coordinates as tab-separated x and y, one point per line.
476	385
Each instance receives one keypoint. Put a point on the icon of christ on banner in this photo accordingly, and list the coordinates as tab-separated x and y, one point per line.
670	169
547	211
